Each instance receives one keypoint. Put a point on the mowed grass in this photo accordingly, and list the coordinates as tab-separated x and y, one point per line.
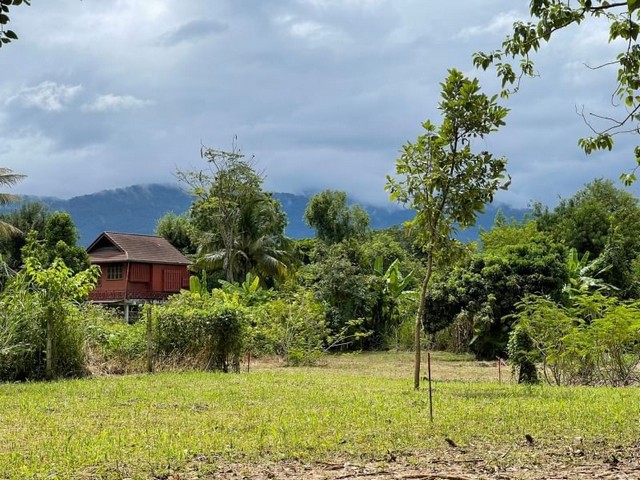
356	406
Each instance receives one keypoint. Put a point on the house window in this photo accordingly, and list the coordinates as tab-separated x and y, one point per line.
114	272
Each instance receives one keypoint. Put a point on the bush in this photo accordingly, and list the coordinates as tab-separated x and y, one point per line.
292	327
39	304
113	345
595	341
199	326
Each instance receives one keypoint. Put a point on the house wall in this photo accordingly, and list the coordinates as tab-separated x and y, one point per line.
160	279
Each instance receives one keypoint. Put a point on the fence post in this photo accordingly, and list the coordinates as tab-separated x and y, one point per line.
430	389
149	341
49	359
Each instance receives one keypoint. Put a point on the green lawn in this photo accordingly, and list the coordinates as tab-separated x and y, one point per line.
357	406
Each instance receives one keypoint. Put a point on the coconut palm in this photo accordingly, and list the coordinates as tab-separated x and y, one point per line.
259	247
8	178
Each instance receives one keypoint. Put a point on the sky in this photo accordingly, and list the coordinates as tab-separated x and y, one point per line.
101	94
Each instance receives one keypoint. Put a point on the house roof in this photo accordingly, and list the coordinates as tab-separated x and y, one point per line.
111	247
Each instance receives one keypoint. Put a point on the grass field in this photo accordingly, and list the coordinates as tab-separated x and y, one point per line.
355	408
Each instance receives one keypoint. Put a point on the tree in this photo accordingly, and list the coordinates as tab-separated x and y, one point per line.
482	293
61	241
605	222
238	226
31	216
333	220
7	35
551	16
177	230
443	180
7	178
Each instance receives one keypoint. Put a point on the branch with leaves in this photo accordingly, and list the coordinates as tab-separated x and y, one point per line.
6	35
551	16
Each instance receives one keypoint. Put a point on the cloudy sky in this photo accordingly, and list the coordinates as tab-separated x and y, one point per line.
103	94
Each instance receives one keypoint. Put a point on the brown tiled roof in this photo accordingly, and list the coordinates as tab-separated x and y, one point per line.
132	247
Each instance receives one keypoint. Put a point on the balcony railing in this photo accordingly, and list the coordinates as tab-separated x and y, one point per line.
119	295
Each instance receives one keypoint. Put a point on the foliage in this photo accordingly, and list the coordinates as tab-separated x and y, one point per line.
292	327
110	339
594	341
41	331
60	241
44	235
7	176
178	231
239	228
551	16
333	220
480	294
202	327
248	293
6	35
30	216
443	180
605	222
348	289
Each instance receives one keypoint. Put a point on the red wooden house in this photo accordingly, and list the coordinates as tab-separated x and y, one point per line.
136	269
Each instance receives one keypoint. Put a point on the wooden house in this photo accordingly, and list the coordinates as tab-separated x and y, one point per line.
136	269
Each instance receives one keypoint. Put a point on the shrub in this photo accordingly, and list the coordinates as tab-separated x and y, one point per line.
292	327
595	341
200	326
40	335
113	345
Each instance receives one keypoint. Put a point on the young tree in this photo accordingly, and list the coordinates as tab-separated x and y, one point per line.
551	16
333	220
443	180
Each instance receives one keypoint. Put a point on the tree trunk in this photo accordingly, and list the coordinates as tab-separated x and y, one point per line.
419	316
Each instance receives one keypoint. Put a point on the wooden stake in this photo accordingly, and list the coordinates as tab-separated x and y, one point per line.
248	361
149	341
49	359
430	390
499	370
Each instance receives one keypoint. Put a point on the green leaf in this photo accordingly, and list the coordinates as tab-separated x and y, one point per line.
633	5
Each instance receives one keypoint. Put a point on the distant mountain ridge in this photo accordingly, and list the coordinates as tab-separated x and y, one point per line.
137	209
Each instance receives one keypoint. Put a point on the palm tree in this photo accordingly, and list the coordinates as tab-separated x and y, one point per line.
8	178
259	247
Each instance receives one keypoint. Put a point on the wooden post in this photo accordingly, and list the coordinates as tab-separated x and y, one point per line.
248	360
499	370
430	390
149	341
49	365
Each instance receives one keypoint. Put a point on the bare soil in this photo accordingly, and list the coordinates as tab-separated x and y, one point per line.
525	463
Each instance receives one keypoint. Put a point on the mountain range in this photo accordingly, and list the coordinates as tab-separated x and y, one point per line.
137	209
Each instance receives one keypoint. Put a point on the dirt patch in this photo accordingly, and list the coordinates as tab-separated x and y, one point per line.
622	463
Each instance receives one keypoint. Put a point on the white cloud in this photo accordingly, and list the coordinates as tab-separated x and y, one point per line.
115	103
48	96
499	24
315	33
